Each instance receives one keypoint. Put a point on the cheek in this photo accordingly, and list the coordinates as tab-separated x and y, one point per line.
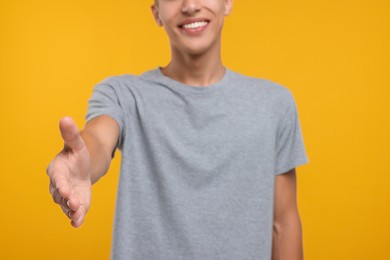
216	6
168	11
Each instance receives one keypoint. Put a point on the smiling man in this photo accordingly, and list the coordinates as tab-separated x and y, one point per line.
208	155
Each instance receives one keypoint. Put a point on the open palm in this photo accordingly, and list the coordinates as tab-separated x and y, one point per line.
69	173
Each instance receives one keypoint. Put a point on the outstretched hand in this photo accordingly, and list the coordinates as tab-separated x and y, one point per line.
69	173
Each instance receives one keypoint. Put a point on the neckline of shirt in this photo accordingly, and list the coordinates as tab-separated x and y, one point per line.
190	88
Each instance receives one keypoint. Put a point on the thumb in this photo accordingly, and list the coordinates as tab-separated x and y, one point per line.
70	134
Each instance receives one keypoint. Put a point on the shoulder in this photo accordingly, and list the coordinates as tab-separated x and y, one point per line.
274	92
118	81
123	86
130	81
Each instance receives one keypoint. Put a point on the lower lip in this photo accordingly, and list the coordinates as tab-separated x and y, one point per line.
194	31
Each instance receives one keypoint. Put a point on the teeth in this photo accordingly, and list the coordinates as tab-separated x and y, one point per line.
194	25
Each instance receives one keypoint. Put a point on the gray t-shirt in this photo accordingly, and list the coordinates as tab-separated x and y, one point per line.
198	164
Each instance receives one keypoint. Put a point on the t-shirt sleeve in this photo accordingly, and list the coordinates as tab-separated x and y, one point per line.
290	149
105	101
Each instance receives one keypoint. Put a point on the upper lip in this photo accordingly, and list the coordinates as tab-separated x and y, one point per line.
193	20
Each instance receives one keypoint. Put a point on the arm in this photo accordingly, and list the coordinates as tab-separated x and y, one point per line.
85	158
101	137
287	230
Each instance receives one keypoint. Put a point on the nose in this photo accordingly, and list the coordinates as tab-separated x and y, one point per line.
190	6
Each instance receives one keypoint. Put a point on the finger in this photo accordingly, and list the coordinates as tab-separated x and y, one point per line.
78	217
70	134
63	195
60	185
67	211
73	203
58	173
60	190
55	195
57	198
77	223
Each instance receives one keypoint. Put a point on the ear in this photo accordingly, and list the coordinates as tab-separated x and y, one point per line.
154	9
228	7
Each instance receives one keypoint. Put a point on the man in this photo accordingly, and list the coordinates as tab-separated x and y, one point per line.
208	155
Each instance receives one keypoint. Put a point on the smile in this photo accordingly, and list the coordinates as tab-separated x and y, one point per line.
194	25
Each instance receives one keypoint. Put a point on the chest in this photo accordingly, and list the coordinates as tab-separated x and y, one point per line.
240	122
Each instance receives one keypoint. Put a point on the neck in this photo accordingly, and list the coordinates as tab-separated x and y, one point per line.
196	70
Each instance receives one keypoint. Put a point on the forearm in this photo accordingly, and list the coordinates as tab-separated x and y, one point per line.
287	239
100	158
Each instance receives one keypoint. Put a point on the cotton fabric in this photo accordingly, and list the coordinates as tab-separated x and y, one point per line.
198	164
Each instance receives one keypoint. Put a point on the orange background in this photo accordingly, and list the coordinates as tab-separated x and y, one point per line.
334	56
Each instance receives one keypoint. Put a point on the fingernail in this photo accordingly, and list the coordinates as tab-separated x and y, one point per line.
68	203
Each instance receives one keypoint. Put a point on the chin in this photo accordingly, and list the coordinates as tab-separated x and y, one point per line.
196	49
